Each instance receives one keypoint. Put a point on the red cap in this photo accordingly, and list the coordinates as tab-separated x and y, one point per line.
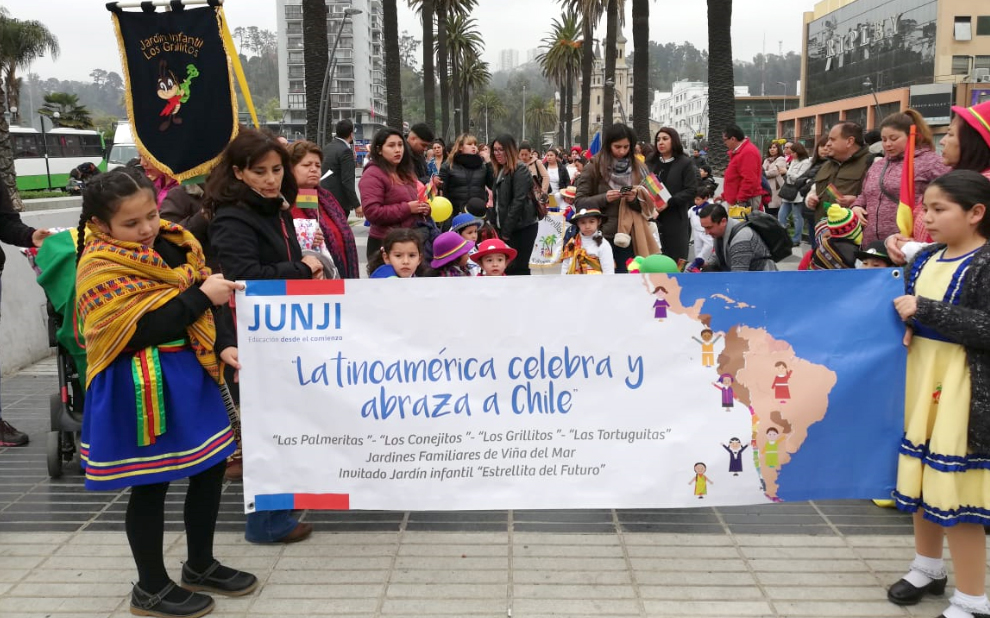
978	117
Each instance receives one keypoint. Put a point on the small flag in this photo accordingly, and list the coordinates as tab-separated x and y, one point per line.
905	209
307	199
425	193
657	190
835	193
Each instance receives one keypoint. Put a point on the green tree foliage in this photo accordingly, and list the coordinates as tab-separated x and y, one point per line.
70	112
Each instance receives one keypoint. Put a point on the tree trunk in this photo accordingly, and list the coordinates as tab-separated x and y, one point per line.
611	30
442	69
569	128
429	78
587	63
466	106
721	92
315	51
641	69
561	106
393	64
8	175
455	78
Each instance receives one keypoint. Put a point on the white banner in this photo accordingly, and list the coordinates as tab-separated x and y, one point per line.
549	246
633	391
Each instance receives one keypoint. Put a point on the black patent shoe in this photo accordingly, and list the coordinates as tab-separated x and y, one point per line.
190	605
904	592
237	584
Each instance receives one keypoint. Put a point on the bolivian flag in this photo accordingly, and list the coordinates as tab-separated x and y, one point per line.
307	199
905	209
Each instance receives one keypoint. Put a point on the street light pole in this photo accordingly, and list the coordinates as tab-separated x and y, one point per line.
524	113
321	125
868	83
44	140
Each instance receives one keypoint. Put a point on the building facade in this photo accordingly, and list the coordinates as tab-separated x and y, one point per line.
622	101
864	59
358	87
508	59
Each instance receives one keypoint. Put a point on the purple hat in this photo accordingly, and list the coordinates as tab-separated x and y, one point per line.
448	247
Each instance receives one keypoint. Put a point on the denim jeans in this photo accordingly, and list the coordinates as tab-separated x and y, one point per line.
268	526
797	209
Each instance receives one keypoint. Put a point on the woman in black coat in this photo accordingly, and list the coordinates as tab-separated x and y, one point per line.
515	210
676	171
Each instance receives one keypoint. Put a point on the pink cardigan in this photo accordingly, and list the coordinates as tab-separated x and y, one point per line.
385	202
881	208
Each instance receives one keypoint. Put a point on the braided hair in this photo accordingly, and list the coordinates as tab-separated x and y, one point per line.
103	195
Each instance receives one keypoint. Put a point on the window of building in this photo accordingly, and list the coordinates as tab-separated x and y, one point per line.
964	28
981	62
297	101
296	71
960	65
599	99
983	25
293	11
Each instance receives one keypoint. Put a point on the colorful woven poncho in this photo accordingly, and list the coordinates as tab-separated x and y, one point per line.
582	263
119	282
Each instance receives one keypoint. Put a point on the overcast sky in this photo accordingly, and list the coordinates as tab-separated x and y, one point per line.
87	41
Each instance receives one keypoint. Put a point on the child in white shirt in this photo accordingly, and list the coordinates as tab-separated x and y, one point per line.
588	253
704	244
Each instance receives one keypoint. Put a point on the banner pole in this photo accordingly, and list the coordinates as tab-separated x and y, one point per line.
137	4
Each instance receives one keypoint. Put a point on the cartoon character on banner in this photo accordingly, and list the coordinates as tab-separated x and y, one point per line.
735	448
701	482
708	341
724	384
771	448
781	382
173	92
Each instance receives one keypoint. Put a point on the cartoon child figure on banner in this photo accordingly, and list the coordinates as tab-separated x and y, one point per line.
661	304
701	482
707	341
735	448
724	384
771	448
781	382
174	92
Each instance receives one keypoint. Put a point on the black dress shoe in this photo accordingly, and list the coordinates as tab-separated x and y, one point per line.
237	583
189	604
904	592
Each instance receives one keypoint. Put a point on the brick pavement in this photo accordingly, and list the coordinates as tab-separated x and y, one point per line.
63	553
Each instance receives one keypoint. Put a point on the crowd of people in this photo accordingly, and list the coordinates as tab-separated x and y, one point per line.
172	255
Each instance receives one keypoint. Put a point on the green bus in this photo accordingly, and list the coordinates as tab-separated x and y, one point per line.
67	148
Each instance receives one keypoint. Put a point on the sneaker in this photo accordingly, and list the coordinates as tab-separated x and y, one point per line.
10	436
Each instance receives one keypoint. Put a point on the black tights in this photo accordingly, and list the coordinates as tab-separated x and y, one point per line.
145	525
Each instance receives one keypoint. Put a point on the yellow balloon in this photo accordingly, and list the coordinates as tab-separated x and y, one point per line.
441	209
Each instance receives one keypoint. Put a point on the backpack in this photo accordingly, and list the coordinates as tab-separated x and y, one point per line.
771	232
767	195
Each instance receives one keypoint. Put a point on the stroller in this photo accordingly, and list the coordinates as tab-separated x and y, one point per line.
55	265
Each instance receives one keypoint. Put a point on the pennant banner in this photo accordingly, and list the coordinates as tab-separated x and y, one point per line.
549	245
625	391
179	88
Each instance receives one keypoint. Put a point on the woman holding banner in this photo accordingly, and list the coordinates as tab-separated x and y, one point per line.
675	169
307	161
247	201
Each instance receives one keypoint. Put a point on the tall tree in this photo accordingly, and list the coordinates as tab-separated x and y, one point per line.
442	8
591	13
540	115
463	42
611	33
641	69
474	76
429	77
393	63
560	63
487	107
315	51
721	91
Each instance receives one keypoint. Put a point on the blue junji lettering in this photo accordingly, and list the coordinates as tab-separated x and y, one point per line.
296	316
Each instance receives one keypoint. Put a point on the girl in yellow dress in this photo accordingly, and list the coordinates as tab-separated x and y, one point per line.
943	474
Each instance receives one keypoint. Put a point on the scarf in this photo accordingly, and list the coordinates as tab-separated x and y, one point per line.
119	282
581	262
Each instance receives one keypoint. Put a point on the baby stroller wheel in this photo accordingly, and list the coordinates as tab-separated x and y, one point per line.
54	454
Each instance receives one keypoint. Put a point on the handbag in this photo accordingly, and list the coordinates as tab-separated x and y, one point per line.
788	192
540	199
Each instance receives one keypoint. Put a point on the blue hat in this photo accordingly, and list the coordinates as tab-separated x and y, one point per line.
464	220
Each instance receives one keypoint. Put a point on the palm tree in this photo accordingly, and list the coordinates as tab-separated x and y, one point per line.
641	68
70	112
427	10
560	63
315	51
20	43
463	41
474	76
721	92
540	114
612	17
488	106
393	63
591	13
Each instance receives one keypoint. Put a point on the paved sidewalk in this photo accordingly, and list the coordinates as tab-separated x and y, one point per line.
63	553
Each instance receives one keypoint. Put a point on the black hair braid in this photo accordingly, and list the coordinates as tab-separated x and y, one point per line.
102	197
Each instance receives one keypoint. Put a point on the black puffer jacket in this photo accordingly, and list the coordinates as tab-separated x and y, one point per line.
513	200
468	177
13	231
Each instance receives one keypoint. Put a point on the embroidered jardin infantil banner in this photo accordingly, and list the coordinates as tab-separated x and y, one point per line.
179	88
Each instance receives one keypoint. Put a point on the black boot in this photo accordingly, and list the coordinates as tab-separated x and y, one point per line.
182	604
219	579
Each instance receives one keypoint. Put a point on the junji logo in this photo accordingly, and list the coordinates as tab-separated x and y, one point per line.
296	316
